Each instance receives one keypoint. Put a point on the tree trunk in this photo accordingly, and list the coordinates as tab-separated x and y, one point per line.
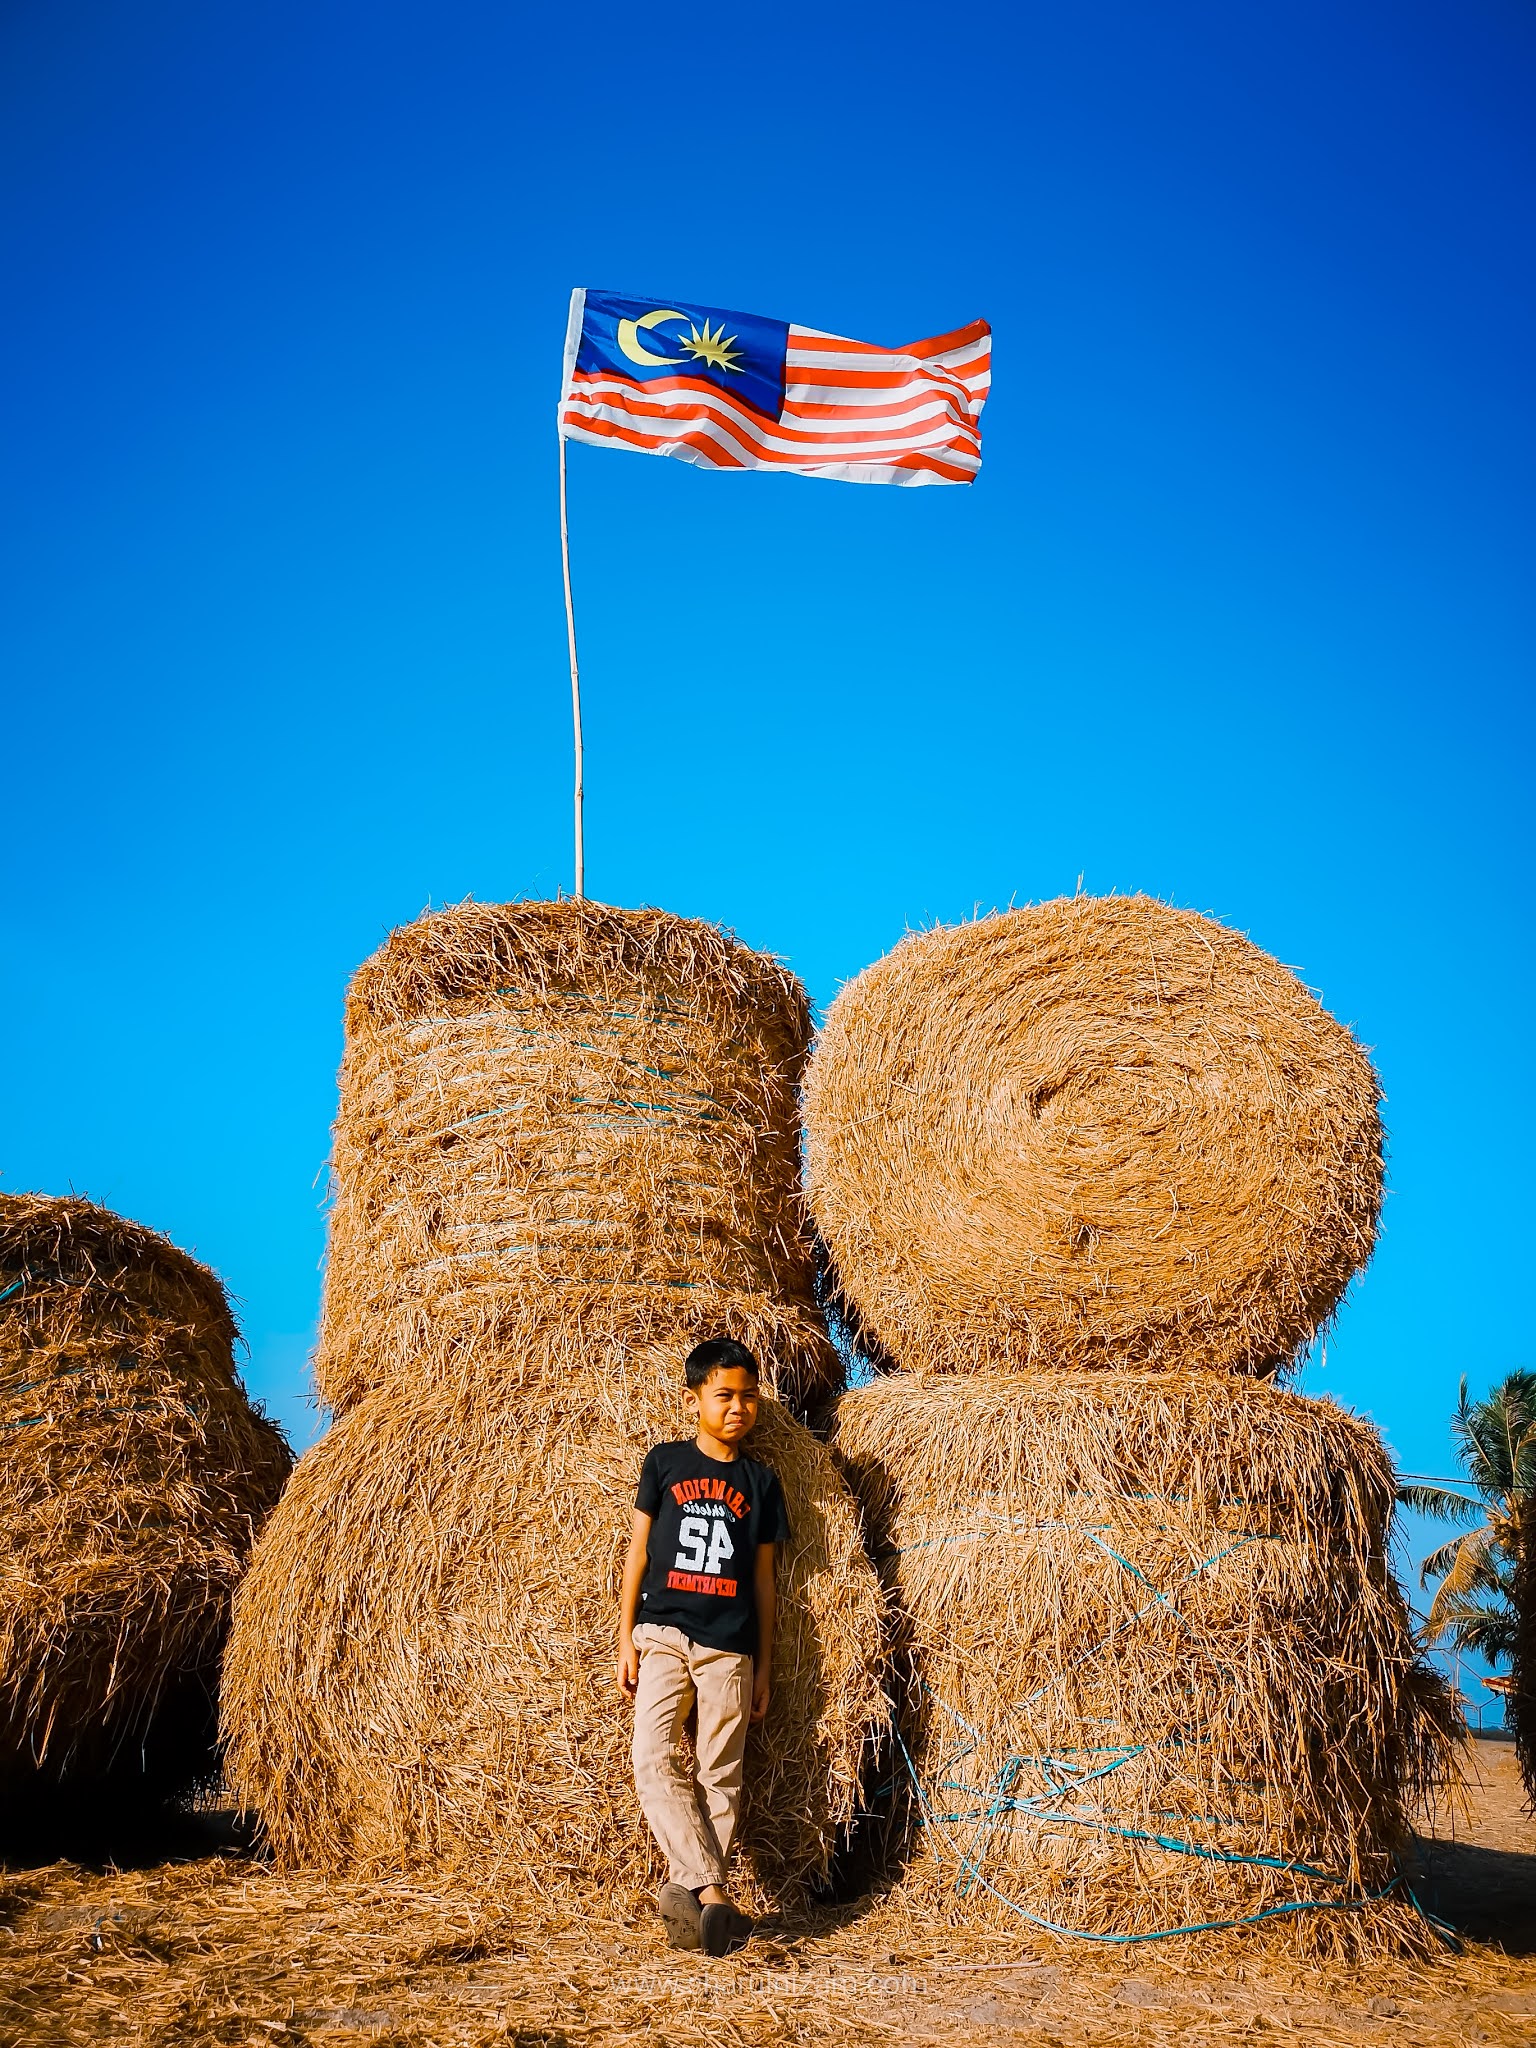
1522	1698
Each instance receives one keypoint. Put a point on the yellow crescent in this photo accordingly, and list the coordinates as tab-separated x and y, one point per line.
629	340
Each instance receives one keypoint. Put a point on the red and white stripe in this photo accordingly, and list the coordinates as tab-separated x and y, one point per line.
866	415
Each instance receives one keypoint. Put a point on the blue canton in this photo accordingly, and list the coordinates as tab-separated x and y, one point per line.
646	339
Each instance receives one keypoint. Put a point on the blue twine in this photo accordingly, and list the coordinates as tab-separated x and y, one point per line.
1063	1777
67	1372
1016	1525
197	1413
661	1108
976	1877
593	1123
591	1002
636	1066
1157	1600
1174	1844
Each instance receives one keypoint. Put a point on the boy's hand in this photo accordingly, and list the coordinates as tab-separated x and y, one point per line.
761	1692
629	1667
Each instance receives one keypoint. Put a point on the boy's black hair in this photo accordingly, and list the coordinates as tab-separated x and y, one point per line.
720	1354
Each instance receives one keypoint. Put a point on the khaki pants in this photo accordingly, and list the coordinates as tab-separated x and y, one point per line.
692	1815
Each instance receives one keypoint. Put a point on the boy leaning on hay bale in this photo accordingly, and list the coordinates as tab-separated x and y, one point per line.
700	1569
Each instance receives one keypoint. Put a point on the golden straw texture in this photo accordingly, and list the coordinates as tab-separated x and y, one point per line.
1097	1132
133	1473
221	1954
1146	1629
421	1669
559	1113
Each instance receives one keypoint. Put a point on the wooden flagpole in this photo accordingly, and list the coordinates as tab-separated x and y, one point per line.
570	634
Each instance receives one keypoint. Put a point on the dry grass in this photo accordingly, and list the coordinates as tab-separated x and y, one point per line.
133	1473
1146	1625
1096	1132
421	1668
233	1956
564	1114
567	1149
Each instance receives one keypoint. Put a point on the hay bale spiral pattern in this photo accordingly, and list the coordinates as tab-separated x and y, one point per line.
1098	1132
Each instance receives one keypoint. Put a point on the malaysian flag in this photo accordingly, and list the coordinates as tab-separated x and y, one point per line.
736	391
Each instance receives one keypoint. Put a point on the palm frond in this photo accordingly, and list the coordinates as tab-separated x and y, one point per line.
1482	1629
1470	1571
1496	1437
1441	1502
1472	1566
1439	1561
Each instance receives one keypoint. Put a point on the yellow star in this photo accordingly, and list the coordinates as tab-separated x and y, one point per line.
715	347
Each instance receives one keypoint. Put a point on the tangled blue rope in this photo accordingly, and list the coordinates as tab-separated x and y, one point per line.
974	1875
1062	1776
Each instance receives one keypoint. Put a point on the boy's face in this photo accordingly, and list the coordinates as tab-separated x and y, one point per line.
727	1403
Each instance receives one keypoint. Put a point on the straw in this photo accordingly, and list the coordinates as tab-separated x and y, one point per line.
133	1474
561	1113
1154	1670
1098	1132
421	1671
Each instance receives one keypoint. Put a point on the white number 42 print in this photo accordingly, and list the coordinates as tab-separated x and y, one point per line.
695	1537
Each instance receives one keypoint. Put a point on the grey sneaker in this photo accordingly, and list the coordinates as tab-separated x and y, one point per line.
681	1915
724	1928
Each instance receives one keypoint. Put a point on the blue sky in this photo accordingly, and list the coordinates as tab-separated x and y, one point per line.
1239	612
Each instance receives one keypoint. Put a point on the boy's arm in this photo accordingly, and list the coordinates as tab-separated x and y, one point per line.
767	1591
629	1603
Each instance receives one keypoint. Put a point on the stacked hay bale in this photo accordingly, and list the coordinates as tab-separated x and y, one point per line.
1159	1675
567	1151
1097	1132
565	1126
133	1476
1092	1174
422	1669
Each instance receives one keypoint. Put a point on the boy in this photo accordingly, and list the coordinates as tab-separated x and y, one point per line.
696	1612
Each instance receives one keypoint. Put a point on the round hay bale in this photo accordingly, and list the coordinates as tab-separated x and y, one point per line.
563	1114
421	1667
133	1474
1097	1132
1155	1672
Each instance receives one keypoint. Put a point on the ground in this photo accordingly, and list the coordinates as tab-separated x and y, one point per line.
219	1950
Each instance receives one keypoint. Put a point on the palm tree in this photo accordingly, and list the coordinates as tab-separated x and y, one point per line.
1486	1599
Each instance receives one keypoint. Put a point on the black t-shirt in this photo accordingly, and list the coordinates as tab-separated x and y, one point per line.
707	1519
